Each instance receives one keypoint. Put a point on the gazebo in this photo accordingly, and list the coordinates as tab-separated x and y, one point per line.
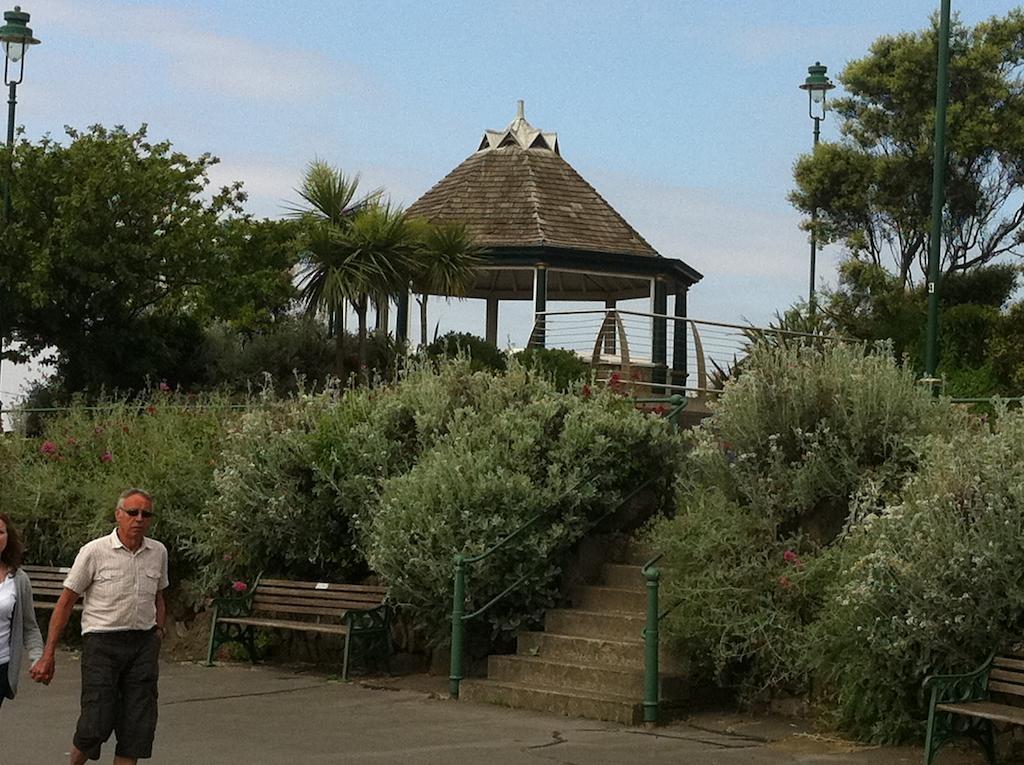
546	234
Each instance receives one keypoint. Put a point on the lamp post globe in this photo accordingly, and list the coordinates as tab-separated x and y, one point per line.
817	86
16	38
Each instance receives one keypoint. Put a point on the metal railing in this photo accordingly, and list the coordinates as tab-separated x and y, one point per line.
652	637
461	561
662	352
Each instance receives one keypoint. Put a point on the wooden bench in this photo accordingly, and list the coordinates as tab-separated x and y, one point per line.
47	585
354	611
966	706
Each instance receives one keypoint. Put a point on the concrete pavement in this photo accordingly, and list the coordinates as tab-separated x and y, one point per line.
235	714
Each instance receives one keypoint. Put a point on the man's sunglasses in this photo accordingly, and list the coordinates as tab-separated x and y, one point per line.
135	512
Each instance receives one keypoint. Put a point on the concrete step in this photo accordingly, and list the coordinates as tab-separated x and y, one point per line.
601	625
623	576
631	554
571	703
558	675
628	654
590	598
574	649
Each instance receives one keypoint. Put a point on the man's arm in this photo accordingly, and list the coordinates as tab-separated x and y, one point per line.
161	612
42	670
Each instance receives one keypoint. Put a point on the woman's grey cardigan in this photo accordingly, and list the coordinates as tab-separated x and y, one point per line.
25	633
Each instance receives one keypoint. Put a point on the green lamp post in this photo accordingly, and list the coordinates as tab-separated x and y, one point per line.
17	38
816	85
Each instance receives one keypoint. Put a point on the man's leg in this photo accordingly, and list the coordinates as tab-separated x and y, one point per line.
101	662
137	712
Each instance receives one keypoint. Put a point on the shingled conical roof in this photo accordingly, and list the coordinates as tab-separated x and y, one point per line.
516	191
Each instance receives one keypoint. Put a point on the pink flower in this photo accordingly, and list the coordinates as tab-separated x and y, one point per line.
227	556
98	430
106	457
150	409
784	582
48	447
72	441
164	387
239	586
586	390
791	557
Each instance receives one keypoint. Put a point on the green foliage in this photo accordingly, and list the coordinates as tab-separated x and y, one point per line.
801	445
564	368
117	252
519	450
61	487
271	512
482	354
867	188
929	585
976	350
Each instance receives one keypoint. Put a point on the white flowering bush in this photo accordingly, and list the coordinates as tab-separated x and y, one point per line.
799	448
930	584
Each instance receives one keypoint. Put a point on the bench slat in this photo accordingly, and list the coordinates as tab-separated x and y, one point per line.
333	613
1014	679
986	709
323	594
286	624
1009	688
306	599
319	586
1008	662
313	606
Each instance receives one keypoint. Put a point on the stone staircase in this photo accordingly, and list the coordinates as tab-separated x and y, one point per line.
589	660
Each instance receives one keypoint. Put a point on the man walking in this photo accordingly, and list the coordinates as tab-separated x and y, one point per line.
122	577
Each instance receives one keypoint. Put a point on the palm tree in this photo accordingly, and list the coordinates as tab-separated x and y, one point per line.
353	252
448	259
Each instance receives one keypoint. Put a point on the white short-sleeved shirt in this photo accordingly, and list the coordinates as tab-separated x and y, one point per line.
119	586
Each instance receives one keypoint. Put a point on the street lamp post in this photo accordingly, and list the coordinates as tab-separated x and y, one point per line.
17	38
816	85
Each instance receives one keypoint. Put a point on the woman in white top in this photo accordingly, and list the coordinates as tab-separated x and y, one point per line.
19	632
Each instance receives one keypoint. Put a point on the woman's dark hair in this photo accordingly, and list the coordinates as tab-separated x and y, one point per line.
14	553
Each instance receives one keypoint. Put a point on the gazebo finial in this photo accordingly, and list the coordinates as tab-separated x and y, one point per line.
519	133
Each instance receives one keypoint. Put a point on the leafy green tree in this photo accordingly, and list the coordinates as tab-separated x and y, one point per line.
117	254
978	342
872	189
448	259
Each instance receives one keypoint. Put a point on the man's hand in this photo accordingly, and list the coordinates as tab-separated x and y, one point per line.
42	670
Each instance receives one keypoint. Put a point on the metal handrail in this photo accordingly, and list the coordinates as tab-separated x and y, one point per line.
459	617
652	635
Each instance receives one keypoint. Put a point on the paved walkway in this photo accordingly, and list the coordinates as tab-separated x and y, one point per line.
232	715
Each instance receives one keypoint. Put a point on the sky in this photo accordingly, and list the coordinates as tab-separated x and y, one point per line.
686	116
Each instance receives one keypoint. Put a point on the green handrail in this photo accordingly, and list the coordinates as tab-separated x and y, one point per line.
652	635
651	696
460	617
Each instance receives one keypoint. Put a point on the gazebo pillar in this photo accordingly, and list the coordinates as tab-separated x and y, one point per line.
679	360
659	333
402	317
491	331
540	305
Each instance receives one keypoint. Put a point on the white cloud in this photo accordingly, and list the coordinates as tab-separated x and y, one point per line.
231	66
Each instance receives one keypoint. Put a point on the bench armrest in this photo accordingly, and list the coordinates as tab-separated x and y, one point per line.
969	686
241	606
